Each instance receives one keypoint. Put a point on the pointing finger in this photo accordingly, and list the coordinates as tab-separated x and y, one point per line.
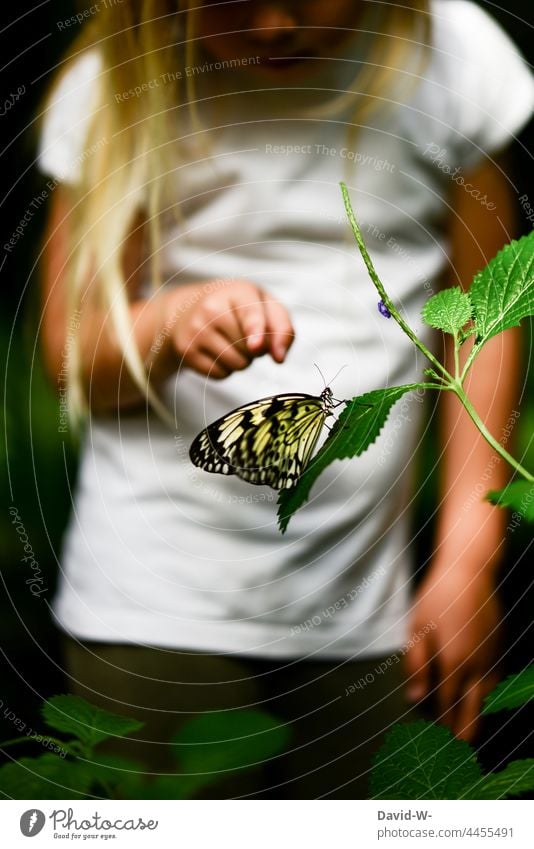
279	328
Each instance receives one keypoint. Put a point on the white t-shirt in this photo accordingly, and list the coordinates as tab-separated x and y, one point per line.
159	552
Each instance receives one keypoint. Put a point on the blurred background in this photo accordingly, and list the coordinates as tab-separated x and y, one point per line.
39	464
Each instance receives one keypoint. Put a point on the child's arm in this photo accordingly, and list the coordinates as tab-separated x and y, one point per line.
214	327
458	592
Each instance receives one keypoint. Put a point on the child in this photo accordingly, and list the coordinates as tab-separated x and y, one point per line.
198	258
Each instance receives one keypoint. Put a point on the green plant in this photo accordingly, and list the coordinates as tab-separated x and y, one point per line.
421	760
207	748
500	296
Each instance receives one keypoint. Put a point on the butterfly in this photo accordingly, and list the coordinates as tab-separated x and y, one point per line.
269	441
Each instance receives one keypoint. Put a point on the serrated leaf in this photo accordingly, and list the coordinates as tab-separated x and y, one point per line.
45	777
514	691
354	431
89	723
518	496
502	293
517	778
420	760
211	745
448	310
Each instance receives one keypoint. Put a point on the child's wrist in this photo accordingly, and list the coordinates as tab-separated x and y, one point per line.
472	558
163	358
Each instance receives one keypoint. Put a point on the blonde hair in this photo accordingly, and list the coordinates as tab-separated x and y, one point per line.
147	40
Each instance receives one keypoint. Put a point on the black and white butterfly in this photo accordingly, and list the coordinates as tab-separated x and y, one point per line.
269	441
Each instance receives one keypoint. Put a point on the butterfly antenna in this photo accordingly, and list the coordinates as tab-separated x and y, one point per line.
338	400
322	375
337	374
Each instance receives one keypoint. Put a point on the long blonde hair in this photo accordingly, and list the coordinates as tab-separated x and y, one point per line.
143	41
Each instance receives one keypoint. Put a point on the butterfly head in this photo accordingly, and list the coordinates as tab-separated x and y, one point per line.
327	400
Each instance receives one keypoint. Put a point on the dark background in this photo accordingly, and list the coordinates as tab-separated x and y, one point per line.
38	466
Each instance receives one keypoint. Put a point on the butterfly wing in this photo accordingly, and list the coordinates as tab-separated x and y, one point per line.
213	449
277	451
267	442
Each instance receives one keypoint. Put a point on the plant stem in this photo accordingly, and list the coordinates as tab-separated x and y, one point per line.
457	388
380	287
469	362
457	359
450	383
61	743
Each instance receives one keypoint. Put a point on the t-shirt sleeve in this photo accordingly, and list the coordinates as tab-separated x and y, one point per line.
480	90
62	145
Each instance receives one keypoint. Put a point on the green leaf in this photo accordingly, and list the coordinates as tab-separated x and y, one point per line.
212	745
449	310
355	430
503	292
46	777
113	776
518	496
90	724
109	766
516	690
517	778
420	760
112	771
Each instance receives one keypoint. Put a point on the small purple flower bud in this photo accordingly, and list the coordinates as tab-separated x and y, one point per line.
383	310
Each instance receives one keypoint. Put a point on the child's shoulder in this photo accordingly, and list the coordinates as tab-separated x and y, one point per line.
466	32
67	113
477	86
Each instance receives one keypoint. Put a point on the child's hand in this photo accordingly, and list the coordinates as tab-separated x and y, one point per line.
458	650
220	327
